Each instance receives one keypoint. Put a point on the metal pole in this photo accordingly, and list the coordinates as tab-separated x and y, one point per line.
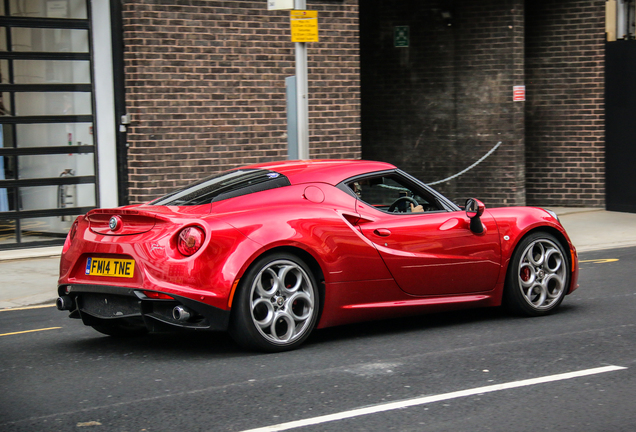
302	103
292	123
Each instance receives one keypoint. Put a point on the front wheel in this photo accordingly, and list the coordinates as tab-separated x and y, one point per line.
276	304
538	277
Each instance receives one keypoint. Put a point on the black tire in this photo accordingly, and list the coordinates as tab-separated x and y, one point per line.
538	275
276	305
121	328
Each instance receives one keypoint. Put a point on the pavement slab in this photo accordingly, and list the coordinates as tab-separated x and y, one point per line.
595	229
28	282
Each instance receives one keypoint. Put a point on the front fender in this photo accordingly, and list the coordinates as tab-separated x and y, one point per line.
515	223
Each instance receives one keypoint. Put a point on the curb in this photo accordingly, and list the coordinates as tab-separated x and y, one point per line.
18	254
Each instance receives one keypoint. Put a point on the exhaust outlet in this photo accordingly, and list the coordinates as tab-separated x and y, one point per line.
181	313
64	303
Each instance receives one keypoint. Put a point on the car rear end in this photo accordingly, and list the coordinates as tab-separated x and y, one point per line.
143	268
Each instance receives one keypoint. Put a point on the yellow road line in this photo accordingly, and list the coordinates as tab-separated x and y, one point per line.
600	260
30	331
26	308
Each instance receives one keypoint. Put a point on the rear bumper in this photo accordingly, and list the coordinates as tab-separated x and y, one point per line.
99	303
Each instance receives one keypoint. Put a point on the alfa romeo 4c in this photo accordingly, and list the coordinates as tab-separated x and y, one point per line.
270	252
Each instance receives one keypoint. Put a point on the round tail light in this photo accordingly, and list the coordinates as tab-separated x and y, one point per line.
70	236
190	240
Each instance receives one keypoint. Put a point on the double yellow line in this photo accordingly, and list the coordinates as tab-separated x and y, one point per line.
28	331
26	308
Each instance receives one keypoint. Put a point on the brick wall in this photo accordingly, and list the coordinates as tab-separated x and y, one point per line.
438	106
565	43
205	85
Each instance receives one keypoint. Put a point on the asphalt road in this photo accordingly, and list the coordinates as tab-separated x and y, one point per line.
61	376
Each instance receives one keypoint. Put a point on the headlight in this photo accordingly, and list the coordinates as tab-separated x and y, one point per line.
553	214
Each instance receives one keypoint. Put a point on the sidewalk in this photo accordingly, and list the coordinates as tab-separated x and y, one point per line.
596	229
29	276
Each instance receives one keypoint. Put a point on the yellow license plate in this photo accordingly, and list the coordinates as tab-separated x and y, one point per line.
110	267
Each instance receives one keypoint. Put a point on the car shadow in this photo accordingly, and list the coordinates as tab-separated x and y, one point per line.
162	344
429	322
408	324
184	344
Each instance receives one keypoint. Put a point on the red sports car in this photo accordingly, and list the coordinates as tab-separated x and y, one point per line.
271	251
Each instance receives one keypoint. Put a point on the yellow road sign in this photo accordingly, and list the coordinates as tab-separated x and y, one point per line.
304	25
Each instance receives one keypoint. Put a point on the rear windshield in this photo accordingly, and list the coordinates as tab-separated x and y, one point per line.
222	186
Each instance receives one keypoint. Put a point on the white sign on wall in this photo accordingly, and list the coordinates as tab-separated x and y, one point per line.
57	9
519	93
280	4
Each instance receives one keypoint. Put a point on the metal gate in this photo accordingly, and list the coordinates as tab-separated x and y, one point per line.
47	146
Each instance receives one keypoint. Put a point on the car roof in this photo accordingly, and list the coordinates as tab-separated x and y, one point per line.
331	171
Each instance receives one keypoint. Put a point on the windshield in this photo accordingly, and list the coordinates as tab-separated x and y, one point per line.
222	186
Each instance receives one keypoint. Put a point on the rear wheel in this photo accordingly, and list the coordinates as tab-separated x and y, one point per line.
538	277
276	305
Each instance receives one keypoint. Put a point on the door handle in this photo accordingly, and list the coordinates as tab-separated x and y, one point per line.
382	232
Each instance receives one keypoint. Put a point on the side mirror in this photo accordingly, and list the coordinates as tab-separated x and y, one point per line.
474	209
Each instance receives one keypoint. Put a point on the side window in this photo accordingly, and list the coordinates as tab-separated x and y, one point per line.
393	194
229	184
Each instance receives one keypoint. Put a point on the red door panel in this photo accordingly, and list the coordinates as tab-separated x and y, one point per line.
435	253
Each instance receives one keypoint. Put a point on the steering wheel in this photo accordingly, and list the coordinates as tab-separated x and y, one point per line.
395	203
